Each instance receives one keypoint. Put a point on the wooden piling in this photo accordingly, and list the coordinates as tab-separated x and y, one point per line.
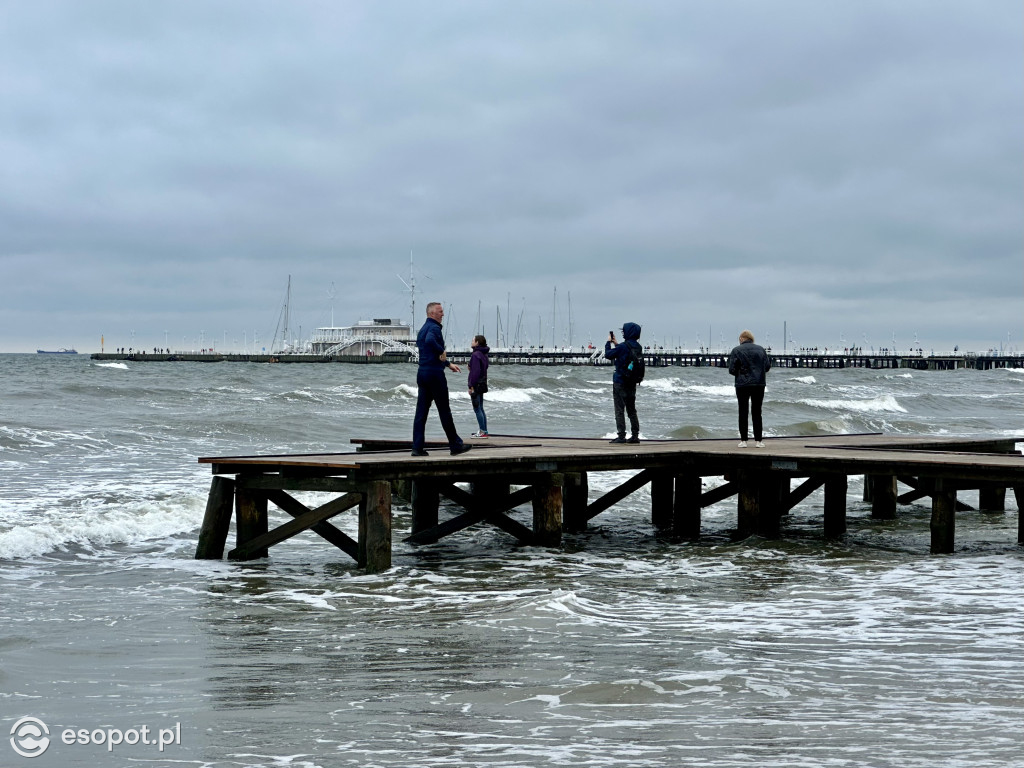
758	507
1018	495
836	487
250	520
992	498
214	534
662	501
402	489
687	506
943	525
883	497
547	511
425	503
783	488
575	492
747	502
775	488
375	526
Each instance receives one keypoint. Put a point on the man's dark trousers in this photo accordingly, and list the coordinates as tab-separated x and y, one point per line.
433	388
624	397
750	398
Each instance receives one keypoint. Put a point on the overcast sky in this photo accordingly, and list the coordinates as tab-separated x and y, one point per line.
853	169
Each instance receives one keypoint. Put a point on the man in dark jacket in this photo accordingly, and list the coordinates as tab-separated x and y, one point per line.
749	363
623	381
433	387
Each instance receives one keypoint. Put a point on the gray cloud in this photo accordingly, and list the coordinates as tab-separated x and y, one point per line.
846	168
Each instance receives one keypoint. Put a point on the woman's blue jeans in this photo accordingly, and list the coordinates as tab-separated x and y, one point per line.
478	409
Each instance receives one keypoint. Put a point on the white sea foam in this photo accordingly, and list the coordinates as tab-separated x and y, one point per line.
122	526
804	379
831	425
505	395
525	395
674	385
23	436
881	404
112	365
300	596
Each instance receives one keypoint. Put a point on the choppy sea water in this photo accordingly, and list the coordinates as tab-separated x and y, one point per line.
617	649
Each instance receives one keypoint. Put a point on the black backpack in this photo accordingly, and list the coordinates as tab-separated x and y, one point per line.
635	368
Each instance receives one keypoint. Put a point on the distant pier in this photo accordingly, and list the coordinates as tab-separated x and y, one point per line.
551	475
656	358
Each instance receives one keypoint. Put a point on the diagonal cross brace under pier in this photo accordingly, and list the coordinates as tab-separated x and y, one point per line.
325	530
924	488
478	510
616	495
303	521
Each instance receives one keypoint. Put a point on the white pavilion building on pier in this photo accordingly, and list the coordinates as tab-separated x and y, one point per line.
382	336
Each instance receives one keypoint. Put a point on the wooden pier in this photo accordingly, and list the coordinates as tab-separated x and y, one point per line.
551	474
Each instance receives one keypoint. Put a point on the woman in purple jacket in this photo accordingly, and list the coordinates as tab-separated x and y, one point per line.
478	382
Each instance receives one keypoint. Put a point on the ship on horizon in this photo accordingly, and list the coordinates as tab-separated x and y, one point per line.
61	351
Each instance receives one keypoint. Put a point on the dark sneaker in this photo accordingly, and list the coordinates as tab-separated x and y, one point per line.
420	453
634	439
461	449
619	439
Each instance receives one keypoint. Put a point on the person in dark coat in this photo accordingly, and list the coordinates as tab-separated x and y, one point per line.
749	363
623	389
478	364
432	385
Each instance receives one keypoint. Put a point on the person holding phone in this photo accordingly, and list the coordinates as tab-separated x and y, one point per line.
629	372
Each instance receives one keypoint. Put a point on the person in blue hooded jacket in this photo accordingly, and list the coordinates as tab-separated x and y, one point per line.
432	385
623	383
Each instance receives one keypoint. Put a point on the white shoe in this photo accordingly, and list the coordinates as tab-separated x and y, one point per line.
759	443
743	444
479	434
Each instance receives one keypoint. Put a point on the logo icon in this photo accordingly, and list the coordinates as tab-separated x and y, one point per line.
30	737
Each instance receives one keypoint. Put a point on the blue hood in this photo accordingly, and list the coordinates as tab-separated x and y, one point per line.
630	331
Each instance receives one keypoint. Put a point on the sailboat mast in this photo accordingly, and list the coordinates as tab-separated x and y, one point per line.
287	311
569	297
554	309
